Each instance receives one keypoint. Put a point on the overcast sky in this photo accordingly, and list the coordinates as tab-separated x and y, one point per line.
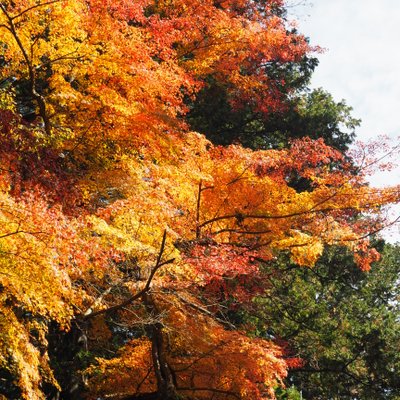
362	59
361	63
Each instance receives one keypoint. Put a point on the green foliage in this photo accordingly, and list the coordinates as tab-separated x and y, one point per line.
343	323
314	114
290	393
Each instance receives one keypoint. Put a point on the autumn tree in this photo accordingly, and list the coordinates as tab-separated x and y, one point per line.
222	266
127	240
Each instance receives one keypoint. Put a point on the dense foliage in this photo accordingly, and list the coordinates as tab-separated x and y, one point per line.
306	114
130	246
342	322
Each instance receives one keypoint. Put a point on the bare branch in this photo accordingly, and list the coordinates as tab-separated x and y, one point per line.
312	210
200	357
143	291
6	27
17	232
205	311
242	232
33	7
67	56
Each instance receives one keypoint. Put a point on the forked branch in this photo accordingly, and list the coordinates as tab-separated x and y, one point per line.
159	263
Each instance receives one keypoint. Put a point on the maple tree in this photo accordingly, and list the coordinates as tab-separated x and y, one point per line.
128	240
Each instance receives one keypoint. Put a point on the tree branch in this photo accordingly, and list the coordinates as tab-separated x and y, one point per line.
205	311
41	102
33	7
241	232
166	385
90	314
264	216
17	231
198	228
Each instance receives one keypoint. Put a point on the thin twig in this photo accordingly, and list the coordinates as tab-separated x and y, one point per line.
33	7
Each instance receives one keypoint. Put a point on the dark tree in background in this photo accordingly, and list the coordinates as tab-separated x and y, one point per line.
304	112
342	322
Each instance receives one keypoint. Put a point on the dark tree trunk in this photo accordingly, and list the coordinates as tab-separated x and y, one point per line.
166	386
63	352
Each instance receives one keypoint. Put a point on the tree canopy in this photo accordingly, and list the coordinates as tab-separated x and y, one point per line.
311	114
129	244
342	322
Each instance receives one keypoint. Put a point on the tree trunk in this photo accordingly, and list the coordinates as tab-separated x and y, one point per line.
166	387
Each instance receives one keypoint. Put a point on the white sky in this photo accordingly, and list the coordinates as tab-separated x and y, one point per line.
362	59
361	64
